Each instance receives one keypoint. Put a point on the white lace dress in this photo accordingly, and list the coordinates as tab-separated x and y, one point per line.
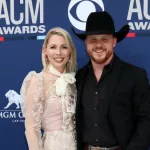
49	101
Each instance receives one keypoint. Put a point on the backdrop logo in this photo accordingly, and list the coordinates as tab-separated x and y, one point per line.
21	17
14	115
83	9
138	17
13	98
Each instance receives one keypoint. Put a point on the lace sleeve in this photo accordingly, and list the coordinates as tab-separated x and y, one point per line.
32	108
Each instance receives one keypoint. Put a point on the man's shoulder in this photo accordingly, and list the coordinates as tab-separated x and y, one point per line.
131	68
133	71
81	71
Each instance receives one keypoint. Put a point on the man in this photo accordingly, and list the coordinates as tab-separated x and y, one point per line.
113	104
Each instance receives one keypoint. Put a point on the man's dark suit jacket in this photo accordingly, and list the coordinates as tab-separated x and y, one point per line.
126	106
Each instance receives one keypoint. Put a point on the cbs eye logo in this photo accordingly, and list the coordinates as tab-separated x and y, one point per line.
82	9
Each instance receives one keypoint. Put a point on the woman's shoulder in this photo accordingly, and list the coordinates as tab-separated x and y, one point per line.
33	76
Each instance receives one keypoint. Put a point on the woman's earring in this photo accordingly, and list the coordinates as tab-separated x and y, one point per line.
46	58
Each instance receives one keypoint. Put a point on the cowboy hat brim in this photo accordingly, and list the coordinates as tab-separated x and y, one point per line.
120	35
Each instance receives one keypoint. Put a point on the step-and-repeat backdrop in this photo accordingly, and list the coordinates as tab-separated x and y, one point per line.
23	25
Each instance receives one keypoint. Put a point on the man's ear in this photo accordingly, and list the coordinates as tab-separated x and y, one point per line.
115	42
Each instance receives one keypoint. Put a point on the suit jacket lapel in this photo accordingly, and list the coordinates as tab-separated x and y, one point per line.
112	83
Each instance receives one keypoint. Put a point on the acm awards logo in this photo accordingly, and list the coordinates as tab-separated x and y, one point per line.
83	9
21	17
138	16
15	115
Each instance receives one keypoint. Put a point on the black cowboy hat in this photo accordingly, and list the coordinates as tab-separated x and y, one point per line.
102	23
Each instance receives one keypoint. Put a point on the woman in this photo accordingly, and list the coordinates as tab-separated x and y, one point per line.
49	97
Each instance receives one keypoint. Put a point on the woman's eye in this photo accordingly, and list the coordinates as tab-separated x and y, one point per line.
53	47
65	47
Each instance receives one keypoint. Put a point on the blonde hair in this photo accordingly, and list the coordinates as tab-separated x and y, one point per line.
71	65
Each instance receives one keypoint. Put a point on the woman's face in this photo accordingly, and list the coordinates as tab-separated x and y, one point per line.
57	51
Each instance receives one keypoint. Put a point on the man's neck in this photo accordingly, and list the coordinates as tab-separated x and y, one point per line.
98	68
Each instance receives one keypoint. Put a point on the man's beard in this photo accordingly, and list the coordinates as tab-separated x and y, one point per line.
100	60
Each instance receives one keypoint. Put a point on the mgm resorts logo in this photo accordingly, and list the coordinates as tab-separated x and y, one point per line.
14	115
21	17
